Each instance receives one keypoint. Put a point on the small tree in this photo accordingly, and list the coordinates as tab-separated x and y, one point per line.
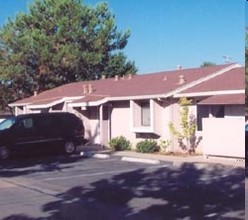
186	134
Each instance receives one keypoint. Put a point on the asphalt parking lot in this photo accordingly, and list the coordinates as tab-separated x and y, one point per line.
90	188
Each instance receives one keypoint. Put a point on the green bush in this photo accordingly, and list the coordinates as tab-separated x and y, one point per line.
147	146
120	143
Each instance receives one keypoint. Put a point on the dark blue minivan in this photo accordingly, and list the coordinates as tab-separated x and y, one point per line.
42	132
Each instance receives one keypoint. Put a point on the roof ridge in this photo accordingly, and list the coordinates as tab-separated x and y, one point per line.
186	69
206	78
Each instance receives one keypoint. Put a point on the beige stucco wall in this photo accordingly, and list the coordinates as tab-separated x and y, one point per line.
122	124
224	137
121	120
90	118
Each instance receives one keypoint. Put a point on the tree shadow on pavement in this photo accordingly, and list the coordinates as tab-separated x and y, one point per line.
38	163
191	191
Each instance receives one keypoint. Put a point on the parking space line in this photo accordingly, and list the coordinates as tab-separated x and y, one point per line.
107	160
103	173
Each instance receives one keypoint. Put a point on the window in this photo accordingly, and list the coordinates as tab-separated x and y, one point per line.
142	119
202	112
206	111
217	111
7	123
26	123
145	114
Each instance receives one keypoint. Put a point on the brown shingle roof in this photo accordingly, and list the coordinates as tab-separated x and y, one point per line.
138	85
89	98
47	101
229	99
231	80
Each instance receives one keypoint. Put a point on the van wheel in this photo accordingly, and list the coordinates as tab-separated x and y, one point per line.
4	153
69	147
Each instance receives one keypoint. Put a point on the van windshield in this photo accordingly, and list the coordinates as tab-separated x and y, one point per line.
7	123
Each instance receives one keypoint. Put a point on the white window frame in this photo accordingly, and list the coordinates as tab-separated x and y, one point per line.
136	116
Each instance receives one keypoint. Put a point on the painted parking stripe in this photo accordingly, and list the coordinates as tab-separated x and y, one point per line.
102	173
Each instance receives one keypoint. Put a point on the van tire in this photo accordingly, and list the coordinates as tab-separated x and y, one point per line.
69	147
4	153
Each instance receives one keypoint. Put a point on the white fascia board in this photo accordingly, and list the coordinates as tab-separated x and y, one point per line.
19	105
85	104
64	99
209	93
97	103
79	104
203	79
45	105
124	98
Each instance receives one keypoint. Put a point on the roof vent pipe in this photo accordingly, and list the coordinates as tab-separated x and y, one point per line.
182	79
35	93
103	76
85	87
90	88
116	77
130	76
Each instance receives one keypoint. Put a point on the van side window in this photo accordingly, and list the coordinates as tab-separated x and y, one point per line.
26	123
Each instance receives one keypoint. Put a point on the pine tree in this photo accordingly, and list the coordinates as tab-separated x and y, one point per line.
58	42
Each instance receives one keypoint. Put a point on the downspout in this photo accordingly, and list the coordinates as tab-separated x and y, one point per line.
109	123
101	125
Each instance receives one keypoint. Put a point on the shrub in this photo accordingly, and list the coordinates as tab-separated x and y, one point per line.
147	146
120	143
164	145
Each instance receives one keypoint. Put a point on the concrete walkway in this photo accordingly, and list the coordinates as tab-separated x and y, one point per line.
94	149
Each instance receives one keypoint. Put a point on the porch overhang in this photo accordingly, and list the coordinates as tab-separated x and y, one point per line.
48	103
227	99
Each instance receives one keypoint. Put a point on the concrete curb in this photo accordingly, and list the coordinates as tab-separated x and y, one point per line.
94	155
101	156
178	161
140	160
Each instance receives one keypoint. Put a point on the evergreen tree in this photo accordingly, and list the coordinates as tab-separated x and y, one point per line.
207	63
58	42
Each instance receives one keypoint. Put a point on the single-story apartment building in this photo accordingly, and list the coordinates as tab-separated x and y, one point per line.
141	106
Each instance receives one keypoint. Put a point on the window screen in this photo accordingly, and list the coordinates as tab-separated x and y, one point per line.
145	114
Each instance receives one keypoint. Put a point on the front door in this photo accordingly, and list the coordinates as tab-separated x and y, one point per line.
105	125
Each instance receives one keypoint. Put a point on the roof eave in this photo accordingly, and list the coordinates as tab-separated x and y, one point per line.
209	93
43	106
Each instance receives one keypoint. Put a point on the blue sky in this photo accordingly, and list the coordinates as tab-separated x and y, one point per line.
167	33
